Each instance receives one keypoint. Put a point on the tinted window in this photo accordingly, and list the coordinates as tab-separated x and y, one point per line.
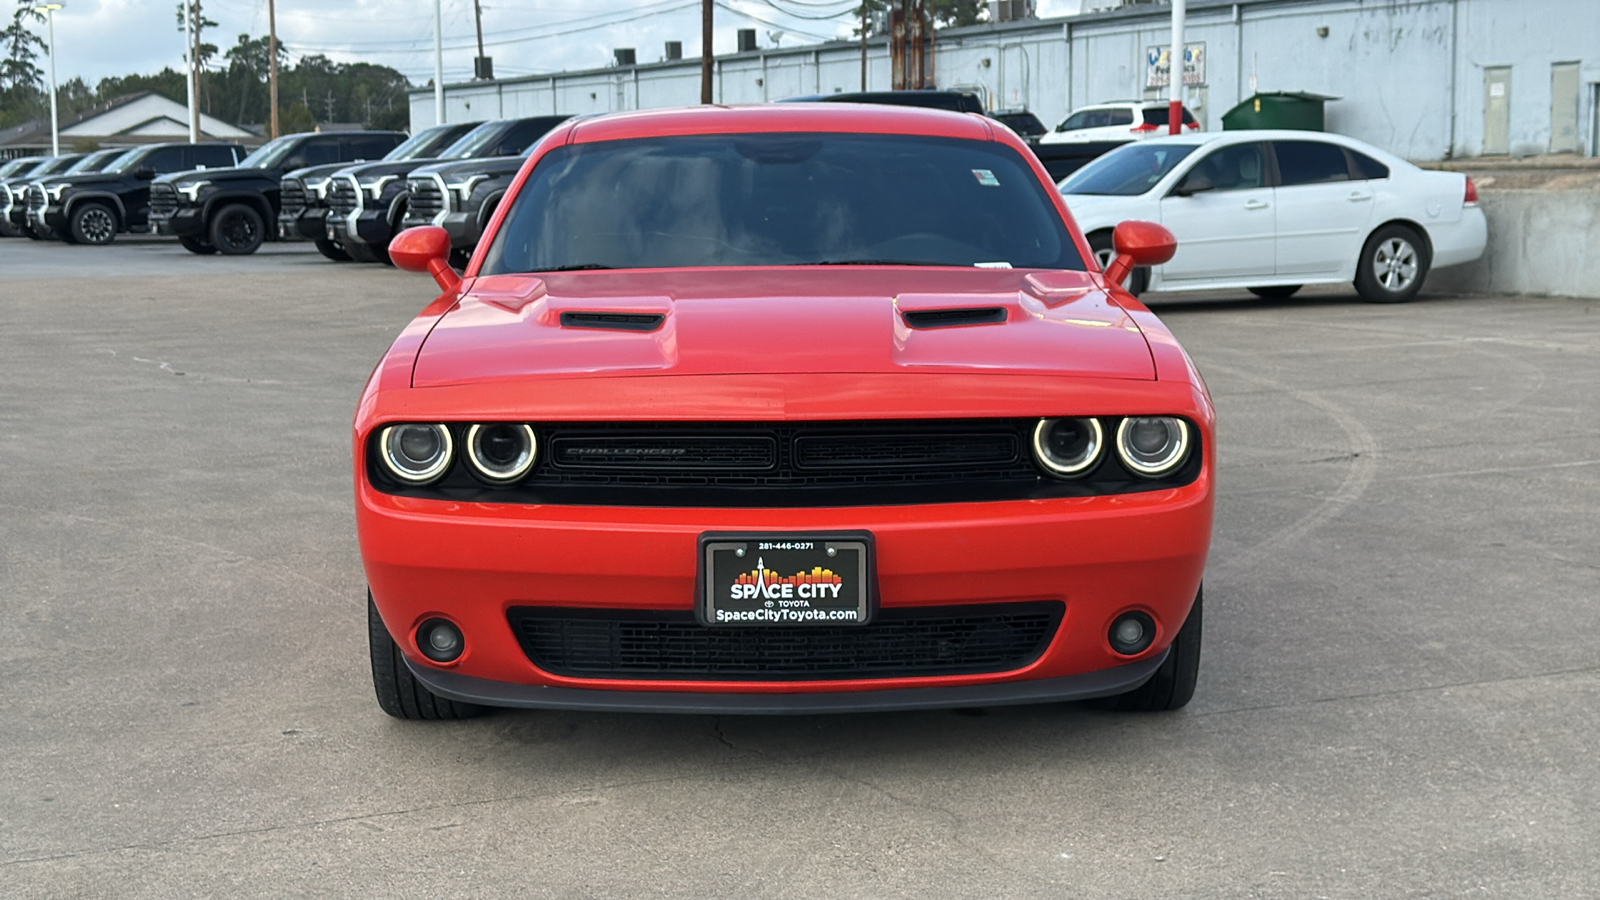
525	134
1366	166
1310	162
319	152
1097	118
1126	171
1236	168
1159	117
166	159
372	146
781	199
212	156
1025	124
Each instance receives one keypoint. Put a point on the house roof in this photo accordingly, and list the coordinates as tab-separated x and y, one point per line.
133	119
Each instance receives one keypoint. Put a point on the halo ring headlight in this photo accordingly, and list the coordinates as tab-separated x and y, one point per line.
1152	446
501	452
1068	447
416	453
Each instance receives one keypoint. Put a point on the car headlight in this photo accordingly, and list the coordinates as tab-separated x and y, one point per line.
416	453
501	452
1068	447
1152	445
192	190
374	189
463	189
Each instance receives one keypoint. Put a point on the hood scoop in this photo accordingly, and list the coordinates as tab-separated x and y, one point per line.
612	321
947	318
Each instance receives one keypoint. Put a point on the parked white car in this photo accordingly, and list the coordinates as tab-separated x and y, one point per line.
1119	121
1271	211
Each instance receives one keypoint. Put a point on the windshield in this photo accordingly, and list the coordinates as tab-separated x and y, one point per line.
420	145
19	166
782	200
94	162
270	153
127	160
1126	171
474	142
56	165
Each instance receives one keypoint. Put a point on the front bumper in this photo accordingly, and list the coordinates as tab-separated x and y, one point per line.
306	226
462	227
186	222
364	226
472	562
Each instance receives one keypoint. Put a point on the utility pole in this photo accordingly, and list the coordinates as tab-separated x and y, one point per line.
1175	69
438	63
863	44
272	64
188	38
705	51
477	17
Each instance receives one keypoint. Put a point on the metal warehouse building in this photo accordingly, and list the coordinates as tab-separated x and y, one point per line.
1427	79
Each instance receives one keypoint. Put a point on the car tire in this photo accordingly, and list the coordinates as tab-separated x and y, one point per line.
1393	264
237	230
1276	292
1172	686
399	694
361	253
332	250
94	224
1105	252
196	246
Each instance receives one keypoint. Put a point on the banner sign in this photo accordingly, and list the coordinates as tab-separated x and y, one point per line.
1158	65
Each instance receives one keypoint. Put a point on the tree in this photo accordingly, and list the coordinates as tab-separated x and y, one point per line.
946	13
22	95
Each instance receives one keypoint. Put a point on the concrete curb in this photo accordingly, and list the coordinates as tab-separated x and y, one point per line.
1539	243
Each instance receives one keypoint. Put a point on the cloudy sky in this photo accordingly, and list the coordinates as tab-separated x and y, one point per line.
97	38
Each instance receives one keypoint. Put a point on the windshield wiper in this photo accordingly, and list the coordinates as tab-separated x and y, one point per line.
874	262
575	267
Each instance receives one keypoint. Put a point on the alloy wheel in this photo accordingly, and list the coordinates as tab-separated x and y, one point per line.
1395	264
97	225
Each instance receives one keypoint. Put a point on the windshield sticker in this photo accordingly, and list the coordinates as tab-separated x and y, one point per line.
985	177
991	265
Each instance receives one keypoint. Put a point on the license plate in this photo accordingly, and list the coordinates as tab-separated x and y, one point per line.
786	579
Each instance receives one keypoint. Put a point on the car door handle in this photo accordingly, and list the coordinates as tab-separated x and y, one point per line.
1255	204
1358	196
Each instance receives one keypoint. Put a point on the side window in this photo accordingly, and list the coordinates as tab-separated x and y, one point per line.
1366	167
321	152
373	147
1075	121
213	156
1236	168
1310	162
1119	117
165	159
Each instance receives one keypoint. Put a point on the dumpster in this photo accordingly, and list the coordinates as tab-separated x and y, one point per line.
1277	109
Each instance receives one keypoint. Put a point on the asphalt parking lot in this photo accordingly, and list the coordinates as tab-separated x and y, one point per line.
1398	695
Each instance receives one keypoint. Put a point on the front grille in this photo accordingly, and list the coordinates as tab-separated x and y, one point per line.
425	199
342	196
898	643
292	197
163	200
5	198
783	465
36	198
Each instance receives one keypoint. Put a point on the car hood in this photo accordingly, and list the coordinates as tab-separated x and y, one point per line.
1096	211
381	169
83	180
781	321
315	173
464	168
220	175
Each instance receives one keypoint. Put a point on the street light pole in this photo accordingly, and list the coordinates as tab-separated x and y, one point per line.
438	63
49	10
1175	61
272	64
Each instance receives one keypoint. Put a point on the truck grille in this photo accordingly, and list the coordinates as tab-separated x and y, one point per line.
898	643
343	196
36	197
292	197
5	199
425	200
163	200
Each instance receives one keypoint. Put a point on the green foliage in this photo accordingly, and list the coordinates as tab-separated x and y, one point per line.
295	119
946	13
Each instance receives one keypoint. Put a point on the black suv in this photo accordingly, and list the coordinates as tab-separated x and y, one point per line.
227	210
303	193
460	196
85	207
33	196
14	190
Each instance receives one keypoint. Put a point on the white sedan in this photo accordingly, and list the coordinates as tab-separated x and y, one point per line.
1271	211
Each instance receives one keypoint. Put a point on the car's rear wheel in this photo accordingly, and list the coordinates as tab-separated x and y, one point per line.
94	224
237	230
1105	252
195	245
1172	687
1276	292
1392	266
399	694
332	250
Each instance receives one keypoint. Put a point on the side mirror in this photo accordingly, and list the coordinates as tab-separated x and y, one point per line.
426	248
144	173
1139	244
1193	183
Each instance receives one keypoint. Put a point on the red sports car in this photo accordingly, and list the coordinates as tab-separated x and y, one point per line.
792	408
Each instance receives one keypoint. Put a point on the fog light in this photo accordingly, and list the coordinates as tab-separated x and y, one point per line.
439	640
1132	633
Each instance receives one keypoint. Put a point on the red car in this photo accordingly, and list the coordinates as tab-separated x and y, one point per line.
792	408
